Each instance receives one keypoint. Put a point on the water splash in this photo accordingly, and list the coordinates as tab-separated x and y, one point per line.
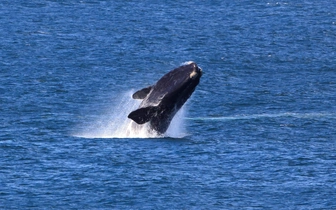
115	124
177	126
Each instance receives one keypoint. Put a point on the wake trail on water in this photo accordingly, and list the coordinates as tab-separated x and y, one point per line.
114	123
314	115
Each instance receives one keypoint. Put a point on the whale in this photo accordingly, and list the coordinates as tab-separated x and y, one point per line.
161	101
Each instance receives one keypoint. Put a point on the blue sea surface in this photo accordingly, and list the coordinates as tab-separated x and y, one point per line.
258	133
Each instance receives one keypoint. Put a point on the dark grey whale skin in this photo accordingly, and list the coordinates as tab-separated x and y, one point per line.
162	100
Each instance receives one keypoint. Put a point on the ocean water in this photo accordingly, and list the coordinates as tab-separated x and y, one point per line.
258	133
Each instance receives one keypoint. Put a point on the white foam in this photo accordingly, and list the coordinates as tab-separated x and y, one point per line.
114	123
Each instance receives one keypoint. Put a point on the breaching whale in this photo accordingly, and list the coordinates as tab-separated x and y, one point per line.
162	100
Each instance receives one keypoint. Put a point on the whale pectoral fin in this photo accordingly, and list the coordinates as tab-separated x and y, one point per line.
143	115
141	94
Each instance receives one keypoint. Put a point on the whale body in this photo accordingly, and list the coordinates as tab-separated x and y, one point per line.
161	101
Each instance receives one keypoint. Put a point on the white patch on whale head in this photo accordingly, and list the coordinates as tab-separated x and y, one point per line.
187	63
193	75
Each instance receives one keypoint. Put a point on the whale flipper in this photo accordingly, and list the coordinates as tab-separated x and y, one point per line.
141	94
143	115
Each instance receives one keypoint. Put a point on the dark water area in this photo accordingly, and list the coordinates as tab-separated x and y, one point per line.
258	132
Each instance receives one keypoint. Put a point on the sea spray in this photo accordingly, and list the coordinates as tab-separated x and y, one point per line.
114	123
177	126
